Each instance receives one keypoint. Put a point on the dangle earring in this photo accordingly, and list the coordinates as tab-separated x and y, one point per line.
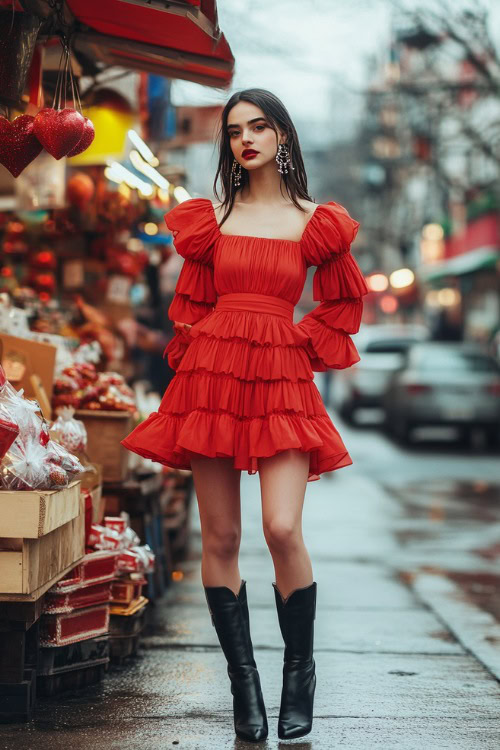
236	173
283	159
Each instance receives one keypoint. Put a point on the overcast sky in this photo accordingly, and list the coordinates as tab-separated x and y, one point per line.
314	54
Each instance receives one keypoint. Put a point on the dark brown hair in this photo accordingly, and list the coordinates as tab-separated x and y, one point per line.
277	116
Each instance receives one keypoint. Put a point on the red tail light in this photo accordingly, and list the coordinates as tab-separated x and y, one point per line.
493	389
416	389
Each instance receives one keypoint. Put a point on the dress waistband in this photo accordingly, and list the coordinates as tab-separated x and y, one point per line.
258	303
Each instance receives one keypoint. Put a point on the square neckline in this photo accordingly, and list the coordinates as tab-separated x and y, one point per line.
268	239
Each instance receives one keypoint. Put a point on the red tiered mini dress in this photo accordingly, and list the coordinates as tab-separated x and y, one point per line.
244	384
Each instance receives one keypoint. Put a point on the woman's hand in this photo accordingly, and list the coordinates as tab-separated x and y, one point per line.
182	327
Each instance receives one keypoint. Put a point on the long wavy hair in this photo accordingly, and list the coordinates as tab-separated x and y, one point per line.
295	182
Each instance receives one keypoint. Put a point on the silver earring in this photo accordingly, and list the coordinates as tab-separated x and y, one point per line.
236	173
283	159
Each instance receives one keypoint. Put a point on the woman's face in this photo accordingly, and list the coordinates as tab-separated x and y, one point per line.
248	128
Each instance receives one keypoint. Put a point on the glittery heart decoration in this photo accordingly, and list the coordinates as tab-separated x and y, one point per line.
18	143
86	139
59	130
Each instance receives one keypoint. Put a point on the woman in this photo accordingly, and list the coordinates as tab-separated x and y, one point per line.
243	397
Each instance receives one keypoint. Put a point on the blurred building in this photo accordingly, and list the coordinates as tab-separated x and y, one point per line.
431	175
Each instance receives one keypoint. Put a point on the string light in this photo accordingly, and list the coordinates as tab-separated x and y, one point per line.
181	194
148	170
116	172
143	148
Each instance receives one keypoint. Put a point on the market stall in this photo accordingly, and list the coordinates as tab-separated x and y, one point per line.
90	535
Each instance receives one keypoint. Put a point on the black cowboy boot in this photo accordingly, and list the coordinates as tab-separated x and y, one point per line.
296	616
231	620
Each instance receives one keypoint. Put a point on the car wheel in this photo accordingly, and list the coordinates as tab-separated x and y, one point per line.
347	414
403	430
492	435
465	436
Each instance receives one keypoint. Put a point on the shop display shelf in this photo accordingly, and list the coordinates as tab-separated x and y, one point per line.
84	596
62	629
124	591
17	700
123	647
75	665
77	679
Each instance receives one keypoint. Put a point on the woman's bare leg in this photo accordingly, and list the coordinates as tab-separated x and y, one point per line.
217	486
283	479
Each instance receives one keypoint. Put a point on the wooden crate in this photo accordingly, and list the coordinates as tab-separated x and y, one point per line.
28	567
34	514
105	430
98	505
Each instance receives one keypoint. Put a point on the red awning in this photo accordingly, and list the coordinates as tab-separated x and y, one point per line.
182	40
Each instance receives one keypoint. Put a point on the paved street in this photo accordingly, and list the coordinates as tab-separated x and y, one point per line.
400	663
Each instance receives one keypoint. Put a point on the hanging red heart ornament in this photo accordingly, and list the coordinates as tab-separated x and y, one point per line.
86	139
18	143
59	130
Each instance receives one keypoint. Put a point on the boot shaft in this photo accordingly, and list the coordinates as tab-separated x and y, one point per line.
230	618
296	617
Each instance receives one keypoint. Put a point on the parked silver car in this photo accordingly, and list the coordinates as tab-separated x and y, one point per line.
442	383
382	349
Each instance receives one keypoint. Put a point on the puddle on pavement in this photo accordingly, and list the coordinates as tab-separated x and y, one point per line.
441	500
451	508
482	588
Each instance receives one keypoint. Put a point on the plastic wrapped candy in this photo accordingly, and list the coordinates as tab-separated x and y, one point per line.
136	560
8	433
32	461
21	411
25	467
58	455
68	431
118	523
130	538
101	537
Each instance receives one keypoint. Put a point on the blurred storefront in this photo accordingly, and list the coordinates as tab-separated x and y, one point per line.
460	265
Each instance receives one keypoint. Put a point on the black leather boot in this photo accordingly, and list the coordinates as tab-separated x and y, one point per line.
296	616
231	620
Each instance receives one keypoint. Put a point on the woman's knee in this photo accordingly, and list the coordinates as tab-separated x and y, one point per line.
282	535
221	543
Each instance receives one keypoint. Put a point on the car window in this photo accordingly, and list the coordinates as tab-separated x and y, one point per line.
460	361
389	346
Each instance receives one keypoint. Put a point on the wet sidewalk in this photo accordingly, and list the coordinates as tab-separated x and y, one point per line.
391	672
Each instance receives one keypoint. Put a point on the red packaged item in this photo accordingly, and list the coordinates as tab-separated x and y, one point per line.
8	433
136	559
126	590
103	538
130	538
57	602
117	523
65	384
61	629
96	567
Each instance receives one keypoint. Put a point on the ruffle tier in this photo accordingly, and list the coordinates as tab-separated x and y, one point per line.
246	360
173	440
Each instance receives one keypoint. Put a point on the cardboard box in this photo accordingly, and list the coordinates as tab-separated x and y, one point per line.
105	430
36	513
23	358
